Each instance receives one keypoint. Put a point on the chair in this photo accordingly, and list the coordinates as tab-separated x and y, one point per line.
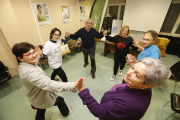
4	74
175	99
162	44
175	73
42	61
175	104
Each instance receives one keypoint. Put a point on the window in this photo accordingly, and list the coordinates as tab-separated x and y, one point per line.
116	11
171	25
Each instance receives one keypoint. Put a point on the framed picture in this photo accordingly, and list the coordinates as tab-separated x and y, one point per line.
66	13
82	13
42	14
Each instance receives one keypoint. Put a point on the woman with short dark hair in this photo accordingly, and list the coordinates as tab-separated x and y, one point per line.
41	90
52	50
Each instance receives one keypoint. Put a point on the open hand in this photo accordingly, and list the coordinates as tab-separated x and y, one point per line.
38	50
130	59
136	43
67	34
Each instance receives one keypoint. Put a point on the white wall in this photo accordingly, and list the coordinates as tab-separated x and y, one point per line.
137	35
144	15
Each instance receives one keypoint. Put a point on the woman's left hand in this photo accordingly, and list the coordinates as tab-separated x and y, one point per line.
38	50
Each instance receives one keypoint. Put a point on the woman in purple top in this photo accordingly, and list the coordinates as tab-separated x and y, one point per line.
128	101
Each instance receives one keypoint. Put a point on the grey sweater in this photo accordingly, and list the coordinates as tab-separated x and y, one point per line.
41	90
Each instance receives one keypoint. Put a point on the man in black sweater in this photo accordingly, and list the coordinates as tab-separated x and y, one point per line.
87	35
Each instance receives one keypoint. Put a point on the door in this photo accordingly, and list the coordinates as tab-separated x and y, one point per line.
116	11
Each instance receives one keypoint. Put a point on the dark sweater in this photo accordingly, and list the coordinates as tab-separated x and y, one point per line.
86	37
122	51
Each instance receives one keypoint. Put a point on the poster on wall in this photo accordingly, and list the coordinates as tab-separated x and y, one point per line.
42	14
66	13
82	13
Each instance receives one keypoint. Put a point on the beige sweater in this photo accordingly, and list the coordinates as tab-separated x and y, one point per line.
41	90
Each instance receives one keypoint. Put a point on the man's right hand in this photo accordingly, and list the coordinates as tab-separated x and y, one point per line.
67	34
136	43
105	33
130	59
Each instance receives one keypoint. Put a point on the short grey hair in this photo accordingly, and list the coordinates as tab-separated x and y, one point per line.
89	19
157	71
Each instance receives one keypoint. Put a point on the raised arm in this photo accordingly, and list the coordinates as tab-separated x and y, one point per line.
39	51
98	35
73	36
130	60
39	79
104	110
132	45
111	39
136	44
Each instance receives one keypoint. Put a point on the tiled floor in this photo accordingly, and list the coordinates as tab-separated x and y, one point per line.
14	104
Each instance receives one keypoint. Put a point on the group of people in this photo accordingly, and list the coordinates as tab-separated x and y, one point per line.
127	101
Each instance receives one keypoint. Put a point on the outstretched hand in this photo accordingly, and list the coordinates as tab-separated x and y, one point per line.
105	33
80	84
67	34
136	43
130	59
38	50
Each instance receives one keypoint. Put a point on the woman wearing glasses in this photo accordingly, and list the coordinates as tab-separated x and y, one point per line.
41	90
53	51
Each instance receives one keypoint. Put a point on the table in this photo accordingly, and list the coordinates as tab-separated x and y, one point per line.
160	42
110	46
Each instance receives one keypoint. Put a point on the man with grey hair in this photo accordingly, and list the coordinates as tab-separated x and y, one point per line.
87	35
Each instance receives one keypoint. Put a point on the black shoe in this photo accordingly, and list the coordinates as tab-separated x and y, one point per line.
85	65
93	75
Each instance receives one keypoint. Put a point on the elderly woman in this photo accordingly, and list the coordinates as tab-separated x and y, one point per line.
122	43
128	101
41	90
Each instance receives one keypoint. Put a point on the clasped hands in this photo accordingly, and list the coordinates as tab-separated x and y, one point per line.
80	84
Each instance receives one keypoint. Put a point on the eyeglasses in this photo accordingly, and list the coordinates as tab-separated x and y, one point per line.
56	35
31	54
88	23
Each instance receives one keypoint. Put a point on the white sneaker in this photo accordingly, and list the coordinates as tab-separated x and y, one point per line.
113	77
120	72
71	109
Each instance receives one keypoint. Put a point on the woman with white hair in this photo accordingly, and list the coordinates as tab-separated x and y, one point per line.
128	101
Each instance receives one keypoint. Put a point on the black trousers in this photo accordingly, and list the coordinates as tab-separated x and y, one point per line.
119	61
40	114
60	72
90	51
